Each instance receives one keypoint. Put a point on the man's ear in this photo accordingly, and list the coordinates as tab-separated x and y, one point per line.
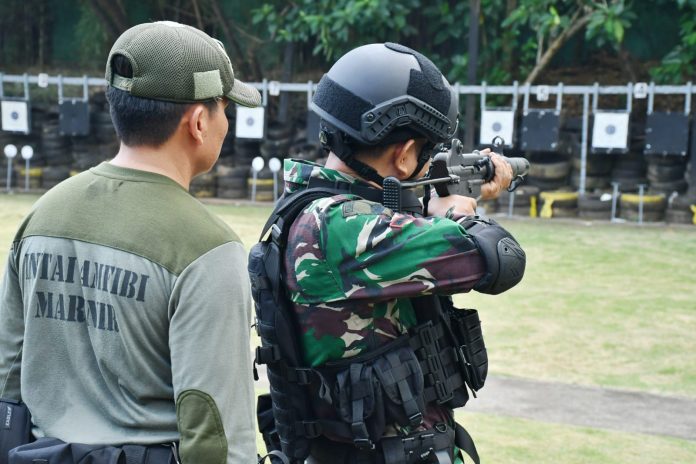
197	123
403	156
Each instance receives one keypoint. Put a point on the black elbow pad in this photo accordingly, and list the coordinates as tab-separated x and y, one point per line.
505	259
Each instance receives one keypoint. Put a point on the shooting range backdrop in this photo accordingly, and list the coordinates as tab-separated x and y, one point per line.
605	161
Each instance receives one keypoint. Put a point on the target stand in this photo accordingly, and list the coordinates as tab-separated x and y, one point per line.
497	122
666	132
73	113
610	128
540	128
16	113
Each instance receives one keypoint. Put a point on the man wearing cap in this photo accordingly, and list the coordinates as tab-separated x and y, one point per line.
125	307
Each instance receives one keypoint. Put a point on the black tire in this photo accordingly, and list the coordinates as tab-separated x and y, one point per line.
684	202
563	212
523	196
679	216
591	182
523	211
596	165
679	186
547	184
564	203
651	203
232	183
548	167
595	215
232	192
630	184
648	216
277	131
593	202
660	173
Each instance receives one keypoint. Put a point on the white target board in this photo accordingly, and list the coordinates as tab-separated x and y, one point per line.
15	116
610	130
497	123
250	122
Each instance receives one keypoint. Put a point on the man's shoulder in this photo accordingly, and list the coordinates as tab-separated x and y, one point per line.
346	207
158	221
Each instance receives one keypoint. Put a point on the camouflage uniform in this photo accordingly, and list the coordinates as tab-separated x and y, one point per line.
353	265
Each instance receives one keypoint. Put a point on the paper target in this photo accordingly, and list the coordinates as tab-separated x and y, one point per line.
610	131
15	116
250	122
497	123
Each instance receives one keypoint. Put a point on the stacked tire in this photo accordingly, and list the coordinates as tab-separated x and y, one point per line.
245	150
277	141
666	174
227	150
595	206
559	204
682	210
57	151
204	185
263	184
653	207
524	201
597	172
548	171
629	172
232	181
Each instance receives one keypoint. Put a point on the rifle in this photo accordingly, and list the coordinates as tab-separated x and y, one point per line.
453	172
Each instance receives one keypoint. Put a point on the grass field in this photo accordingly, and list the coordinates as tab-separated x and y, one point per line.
601	304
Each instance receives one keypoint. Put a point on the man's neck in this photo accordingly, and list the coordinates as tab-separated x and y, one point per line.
162	160
337	164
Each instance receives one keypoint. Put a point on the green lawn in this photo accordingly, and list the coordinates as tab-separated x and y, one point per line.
601	304
610	305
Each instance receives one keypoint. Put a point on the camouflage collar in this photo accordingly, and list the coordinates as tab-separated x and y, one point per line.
298	173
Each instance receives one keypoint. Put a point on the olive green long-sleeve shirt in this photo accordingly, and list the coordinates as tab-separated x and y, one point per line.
124	318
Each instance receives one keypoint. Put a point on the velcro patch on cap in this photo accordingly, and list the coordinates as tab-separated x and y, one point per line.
207	85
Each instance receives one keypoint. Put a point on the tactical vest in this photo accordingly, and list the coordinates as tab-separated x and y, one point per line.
352	400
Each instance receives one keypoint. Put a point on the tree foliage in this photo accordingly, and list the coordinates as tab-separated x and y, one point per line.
678	65
537	28
518	39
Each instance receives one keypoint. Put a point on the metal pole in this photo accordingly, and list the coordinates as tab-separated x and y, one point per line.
472	66
275	187
511	204
614	200
641	189
253	185
583	144
26	175
9	175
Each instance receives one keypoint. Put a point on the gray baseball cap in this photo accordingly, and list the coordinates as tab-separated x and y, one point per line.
178	63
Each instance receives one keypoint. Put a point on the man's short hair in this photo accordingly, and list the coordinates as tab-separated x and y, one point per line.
142	121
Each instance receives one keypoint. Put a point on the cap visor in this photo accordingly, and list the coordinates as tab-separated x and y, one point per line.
244	94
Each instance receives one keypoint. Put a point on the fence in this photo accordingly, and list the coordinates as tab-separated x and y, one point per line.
590	95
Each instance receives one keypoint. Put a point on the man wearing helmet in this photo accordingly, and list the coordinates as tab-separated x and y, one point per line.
357	272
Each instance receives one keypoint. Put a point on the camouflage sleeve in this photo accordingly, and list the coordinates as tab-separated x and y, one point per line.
347	248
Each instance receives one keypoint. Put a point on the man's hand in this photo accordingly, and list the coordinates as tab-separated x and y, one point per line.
460	205
501	180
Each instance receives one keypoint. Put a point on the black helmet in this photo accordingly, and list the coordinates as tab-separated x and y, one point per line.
379	94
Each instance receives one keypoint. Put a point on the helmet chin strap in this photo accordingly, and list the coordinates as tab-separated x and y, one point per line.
423	158
335	141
